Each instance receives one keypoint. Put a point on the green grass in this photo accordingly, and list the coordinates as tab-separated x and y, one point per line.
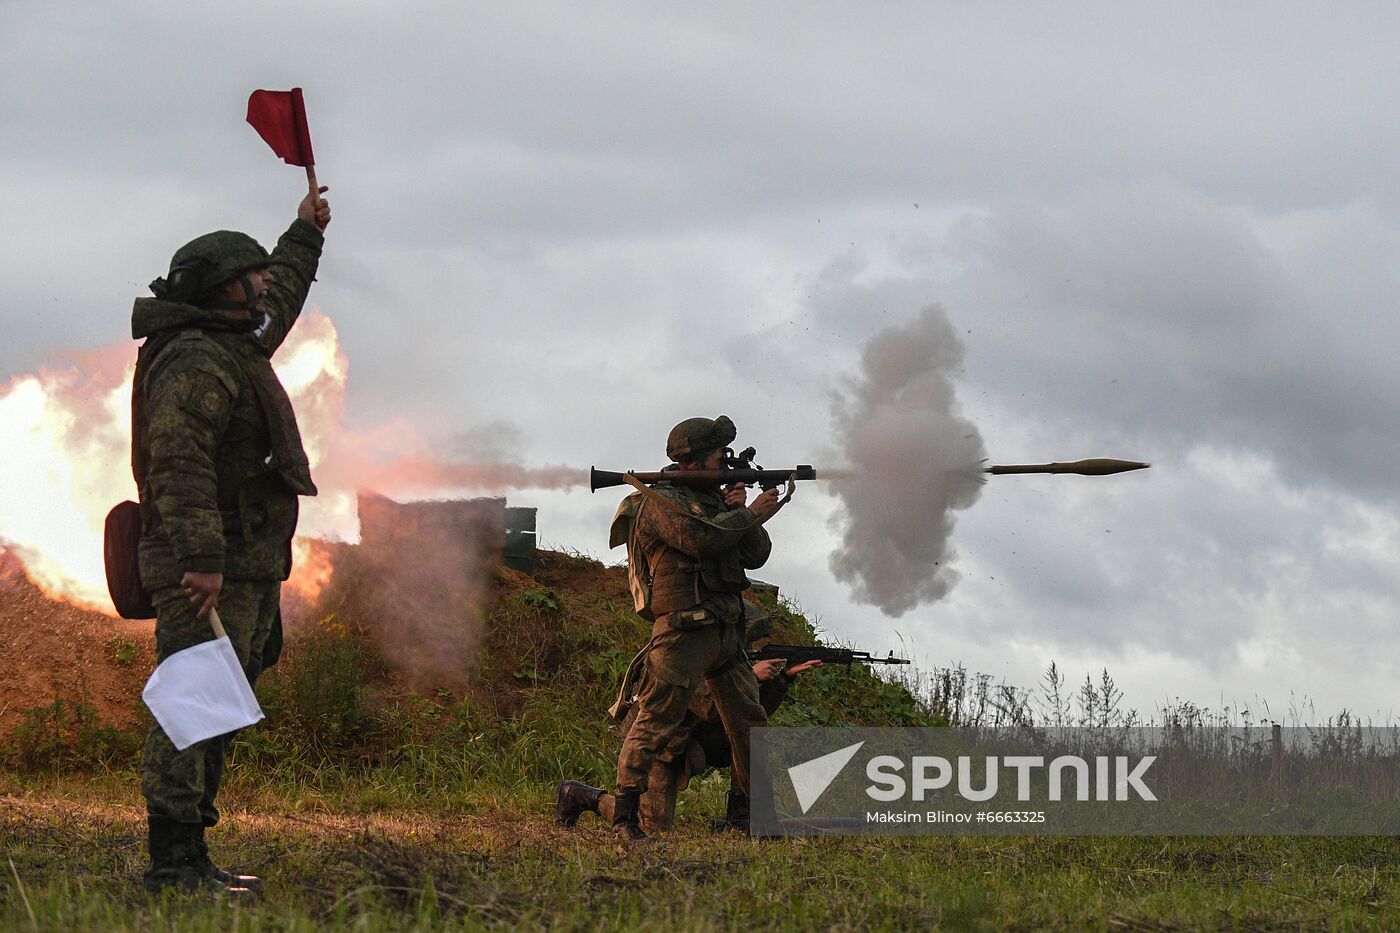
76	847
369	806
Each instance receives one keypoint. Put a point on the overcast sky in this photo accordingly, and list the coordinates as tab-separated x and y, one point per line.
1167	232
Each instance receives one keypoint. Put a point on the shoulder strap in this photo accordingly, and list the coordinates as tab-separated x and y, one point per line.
637	560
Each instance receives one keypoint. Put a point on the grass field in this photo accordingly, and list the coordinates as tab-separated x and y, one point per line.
369	805
74	852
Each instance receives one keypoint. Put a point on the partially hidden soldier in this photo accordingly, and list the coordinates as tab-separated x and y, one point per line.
689	547
219	465
698	746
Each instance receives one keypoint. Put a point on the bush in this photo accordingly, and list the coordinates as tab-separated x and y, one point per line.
314	697
68	735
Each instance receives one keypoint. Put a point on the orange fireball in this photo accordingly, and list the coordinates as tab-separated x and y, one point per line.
66	458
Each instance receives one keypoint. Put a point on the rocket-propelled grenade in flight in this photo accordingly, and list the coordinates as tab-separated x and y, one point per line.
1099	466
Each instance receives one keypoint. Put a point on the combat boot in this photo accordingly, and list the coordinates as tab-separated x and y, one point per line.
736	815
626	822
174	849
207	869
573	799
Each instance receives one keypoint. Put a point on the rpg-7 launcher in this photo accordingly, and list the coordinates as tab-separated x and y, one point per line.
798	654
738	468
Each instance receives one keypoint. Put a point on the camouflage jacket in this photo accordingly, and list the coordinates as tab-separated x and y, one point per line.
216	453
697	554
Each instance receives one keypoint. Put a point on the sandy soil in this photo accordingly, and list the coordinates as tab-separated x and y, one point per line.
52	648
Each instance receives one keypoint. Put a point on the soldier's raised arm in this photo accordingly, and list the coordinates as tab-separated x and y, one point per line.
754	548
293	269
699	536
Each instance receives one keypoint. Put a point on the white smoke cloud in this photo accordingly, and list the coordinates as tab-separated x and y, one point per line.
914	461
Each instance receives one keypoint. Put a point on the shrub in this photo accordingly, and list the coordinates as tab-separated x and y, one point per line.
67	735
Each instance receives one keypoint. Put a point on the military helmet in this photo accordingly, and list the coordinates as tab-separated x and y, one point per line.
699	435
203	265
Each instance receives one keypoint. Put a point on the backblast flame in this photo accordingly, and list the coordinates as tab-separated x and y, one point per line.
66	453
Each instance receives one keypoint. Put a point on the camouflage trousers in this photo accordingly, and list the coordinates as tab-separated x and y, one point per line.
181	785
657	809
678	661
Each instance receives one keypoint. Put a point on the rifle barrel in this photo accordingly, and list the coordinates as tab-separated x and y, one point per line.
796	654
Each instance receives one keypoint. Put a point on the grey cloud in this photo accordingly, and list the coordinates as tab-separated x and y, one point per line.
1164	316
1181	230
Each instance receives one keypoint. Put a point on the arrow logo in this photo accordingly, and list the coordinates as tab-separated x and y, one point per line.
811	778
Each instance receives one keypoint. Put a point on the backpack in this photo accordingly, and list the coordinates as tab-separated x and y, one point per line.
624	531
121	539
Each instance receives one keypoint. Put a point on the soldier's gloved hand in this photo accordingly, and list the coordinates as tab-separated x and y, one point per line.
766	505
736	495
202	589
316	211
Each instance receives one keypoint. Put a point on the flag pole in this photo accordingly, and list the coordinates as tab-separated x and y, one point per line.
315	188
215	623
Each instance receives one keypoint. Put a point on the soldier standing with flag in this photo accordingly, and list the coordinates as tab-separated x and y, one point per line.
219	465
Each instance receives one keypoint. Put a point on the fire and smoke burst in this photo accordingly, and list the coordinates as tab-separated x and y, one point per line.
66	460
914	462
67	453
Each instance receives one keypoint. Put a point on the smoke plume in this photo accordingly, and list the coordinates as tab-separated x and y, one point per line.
415	588
914	462
420	474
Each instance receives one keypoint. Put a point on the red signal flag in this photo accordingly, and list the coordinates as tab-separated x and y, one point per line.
280	119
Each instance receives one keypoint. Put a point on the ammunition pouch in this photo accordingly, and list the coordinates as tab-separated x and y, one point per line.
679	582
724	574
675	581
689	618
623	531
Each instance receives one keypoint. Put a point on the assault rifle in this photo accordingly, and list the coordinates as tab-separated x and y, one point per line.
738	468
798	654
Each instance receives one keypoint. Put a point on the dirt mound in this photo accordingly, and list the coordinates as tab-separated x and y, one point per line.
426	607
50	648
577	574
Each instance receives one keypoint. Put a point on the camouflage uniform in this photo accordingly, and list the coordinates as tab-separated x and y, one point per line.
699	745
696	556
219	465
